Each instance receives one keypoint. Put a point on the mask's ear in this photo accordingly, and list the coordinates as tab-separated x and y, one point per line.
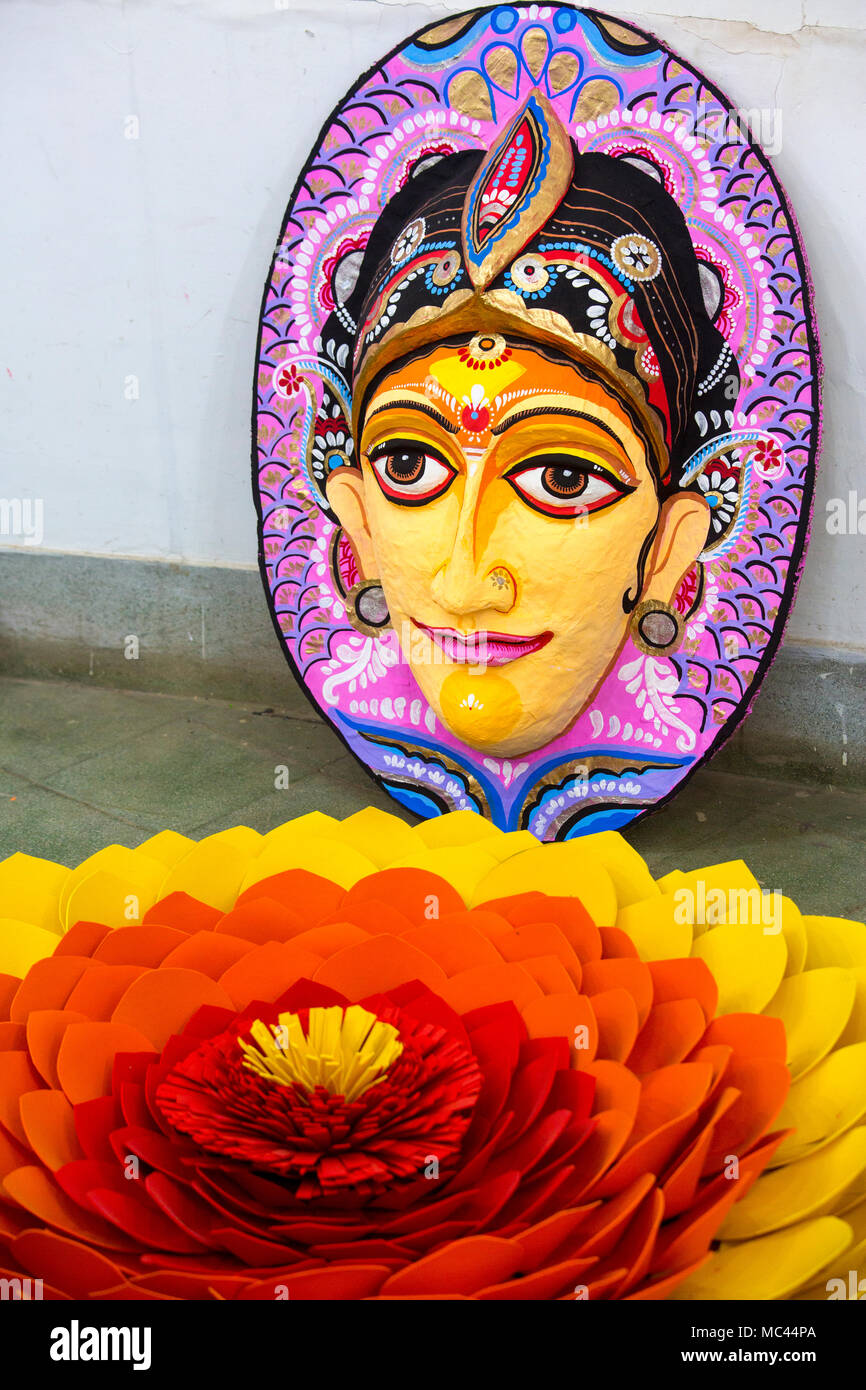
345	490
682	535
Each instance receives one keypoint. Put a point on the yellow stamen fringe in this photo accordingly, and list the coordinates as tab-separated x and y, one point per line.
342	1050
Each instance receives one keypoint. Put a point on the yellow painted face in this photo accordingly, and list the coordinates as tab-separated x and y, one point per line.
504	502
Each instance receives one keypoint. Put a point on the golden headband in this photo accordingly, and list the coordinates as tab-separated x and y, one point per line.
502	311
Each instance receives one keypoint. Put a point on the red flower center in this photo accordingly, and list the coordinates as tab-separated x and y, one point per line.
410	1115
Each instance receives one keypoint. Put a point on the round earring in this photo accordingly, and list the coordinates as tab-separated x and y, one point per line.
367	608
656	628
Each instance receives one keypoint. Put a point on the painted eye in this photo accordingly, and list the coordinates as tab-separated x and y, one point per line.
409	474
563	486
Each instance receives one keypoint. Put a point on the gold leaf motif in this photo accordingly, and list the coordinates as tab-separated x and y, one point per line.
563	71
448	29
468	94
597	98
501	67
536	43
620	33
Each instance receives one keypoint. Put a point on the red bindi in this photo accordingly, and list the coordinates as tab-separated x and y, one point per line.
475	419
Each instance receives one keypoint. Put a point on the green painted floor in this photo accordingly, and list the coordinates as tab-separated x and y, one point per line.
82	767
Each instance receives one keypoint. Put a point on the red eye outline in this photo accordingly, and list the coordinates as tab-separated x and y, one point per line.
580	507
400	495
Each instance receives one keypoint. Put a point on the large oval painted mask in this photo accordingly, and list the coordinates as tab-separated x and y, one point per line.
536	419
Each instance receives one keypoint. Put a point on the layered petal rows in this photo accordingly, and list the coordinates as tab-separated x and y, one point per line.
809	974
354	1060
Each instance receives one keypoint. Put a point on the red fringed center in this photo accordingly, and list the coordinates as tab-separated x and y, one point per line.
413	1119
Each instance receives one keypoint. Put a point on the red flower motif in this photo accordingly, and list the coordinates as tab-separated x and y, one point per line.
287	379
769	458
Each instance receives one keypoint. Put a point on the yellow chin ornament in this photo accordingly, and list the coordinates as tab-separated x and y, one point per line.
482	709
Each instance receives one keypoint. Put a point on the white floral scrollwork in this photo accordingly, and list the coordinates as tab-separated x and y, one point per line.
365	660
654	684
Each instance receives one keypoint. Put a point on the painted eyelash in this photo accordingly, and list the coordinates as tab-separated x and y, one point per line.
391	488
580	465
409	446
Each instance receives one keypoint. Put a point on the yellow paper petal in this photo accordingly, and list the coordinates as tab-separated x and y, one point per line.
834	941
314	823
854	1194
814	1008
656	928
824	1290
340	863
670	882
632	880
25	868
719	893
458	828
852	1259
794	932
114	859
379	836
823	1104
463	867
168	847
810	1187
562	870
212	872
238	837
748	965
22	945
770	1268
504	846
30	890
855	1028
117	900
116	890
733	873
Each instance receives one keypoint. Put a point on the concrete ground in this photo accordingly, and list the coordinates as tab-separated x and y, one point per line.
82	766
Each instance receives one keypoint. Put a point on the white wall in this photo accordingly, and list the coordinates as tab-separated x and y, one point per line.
146	257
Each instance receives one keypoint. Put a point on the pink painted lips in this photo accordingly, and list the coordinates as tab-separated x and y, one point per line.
482	648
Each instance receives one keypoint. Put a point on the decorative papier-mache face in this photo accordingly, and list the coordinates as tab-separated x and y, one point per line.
510	489
504	501
536	421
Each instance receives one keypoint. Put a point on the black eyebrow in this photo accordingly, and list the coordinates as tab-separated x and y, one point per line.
417	405
555	410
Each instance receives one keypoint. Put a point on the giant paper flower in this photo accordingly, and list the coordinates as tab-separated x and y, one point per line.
354	1060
